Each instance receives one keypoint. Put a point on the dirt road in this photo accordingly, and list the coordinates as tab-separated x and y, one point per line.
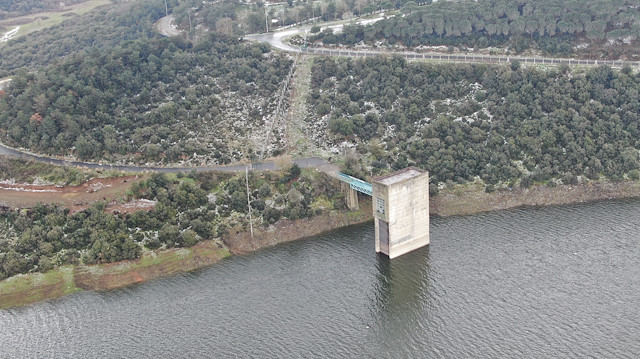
75	198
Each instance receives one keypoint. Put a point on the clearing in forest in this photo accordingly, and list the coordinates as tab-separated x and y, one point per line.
76	198
38	21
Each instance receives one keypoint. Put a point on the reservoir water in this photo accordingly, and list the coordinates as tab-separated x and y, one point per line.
534	282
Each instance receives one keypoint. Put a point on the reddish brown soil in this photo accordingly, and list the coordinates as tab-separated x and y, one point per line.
475	200
75	198
240	241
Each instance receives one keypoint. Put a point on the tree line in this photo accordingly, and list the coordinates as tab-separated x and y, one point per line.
552	26
503	124
13	8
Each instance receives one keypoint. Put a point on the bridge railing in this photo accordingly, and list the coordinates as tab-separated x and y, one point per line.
356	184
468	57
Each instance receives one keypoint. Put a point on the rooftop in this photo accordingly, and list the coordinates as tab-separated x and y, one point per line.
398	176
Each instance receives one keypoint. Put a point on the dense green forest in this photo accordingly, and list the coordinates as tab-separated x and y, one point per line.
189	208
552	26
12	8
501	123
156	100
101	28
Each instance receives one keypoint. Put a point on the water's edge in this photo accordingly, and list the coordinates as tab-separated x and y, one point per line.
24	289
30	288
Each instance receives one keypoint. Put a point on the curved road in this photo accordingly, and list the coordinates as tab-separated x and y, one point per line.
276	39
310	162
165	26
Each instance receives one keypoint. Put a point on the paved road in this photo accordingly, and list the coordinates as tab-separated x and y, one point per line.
276	39
310	162
471	57
164	26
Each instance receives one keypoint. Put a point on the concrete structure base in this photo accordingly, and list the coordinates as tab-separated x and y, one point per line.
401	211
351	197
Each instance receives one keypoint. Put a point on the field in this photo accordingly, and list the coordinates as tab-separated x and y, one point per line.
35	22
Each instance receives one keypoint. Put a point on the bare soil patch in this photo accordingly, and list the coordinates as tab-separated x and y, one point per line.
472	199
240	241
75	198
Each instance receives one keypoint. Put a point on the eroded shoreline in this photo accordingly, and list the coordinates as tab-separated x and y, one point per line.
30	288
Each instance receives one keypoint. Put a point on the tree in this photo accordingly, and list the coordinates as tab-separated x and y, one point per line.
189	238
292	173
84	147
224	26
409	7
169	234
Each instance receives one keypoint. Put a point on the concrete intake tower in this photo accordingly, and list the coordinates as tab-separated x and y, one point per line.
401	211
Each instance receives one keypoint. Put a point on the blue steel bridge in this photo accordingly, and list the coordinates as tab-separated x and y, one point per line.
356	184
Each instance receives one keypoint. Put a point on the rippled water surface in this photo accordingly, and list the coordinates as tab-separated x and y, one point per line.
536	282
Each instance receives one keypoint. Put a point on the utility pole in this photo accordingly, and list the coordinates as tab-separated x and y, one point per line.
266	19
166	9
246	176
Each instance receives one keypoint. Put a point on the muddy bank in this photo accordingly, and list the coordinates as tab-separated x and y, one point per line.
240	241
150	266
473	199
462	200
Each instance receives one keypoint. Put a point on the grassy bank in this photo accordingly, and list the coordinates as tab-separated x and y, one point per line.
30	288
152	265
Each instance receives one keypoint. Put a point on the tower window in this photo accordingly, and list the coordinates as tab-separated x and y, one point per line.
380	205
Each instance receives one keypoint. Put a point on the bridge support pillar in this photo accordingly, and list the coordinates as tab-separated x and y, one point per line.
401	211
350	196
